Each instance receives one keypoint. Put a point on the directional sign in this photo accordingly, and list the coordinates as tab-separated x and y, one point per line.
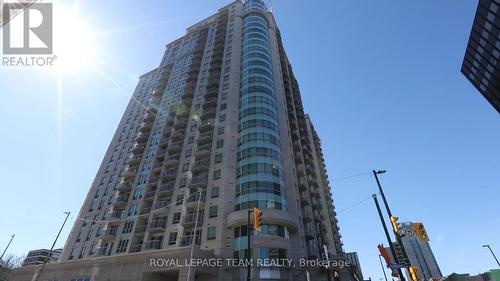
396	265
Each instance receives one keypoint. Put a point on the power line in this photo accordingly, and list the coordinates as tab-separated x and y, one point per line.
352	176
355	205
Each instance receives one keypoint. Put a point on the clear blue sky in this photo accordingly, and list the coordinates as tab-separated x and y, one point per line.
380	79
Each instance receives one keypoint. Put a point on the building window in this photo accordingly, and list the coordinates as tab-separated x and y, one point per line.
222	118
185	167
213	211
218	158
176	218
189	152
211	233
220	130
190	139
215	192
183	182
217	174
180	199
172	238
122	246
127	228
220	143
133	210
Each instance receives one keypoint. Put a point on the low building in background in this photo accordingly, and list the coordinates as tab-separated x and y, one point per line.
356	266
492	275
36	257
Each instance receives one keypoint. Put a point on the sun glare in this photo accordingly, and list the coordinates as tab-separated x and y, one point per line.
73	42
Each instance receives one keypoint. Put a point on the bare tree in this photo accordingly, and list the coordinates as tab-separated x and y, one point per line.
7	264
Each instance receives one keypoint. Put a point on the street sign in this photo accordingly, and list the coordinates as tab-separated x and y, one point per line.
396	265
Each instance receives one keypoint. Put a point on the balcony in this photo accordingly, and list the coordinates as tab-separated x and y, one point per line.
157	225
174	147
135	248
109	233
125	186
201	166
134	160
145	210
153	245
208	113
169	174
206	125
198	182
115	215
161	205
205	138
178	135
212	93
180	123
190	219
209	103
166	190
140	229
146	127
187	240
157	166
149	116
167	133
153	180
142	137
203	151
119	201
129	173
192	200
138	148
150	195
172	160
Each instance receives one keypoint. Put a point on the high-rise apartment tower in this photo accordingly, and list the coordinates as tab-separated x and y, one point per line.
216	130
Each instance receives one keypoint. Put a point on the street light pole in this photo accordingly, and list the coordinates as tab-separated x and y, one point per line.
381	191
391	246
52	248
11	238
495	257
389	213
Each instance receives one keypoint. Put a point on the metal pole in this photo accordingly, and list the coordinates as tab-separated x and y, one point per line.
248	245
11	238
382	265
381	191
194	234
495	257
393	251
389	213
52	248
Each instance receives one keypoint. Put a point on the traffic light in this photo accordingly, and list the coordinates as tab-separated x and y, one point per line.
421	232
413	274
257	218
395	224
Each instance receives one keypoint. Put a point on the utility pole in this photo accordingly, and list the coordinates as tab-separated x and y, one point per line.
52	248
389	213
11	238
393	251
495	257
382	265
194	232
248	245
